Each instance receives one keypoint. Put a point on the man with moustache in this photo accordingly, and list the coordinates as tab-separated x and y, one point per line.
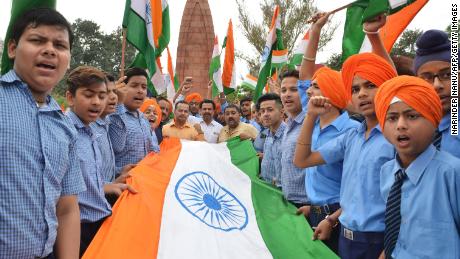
234	127
179	127
209	126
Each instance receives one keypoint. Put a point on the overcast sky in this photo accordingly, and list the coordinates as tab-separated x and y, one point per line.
109	14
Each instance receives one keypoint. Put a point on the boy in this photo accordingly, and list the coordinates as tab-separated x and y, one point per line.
130	133
421	185
40	174
432	63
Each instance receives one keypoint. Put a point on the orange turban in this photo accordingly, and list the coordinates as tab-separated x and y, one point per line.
331	85
368	66
194	97
152	102
413	91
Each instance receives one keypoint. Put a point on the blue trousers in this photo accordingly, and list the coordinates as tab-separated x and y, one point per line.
361	247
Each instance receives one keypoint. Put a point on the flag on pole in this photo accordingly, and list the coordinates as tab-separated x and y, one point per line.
19	7
147	24
299	50
279	58
401	14
212	208
215	72
172	83
229	73
249	82
273	41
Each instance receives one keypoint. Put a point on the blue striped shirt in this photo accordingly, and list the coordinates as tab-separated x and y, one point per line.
131	136
92	202
101	126
292	177
430	205
38	165
363	208
271	162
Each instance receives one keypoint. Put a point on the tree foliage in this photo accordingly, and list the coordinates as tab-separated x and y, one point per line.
405	46
294	15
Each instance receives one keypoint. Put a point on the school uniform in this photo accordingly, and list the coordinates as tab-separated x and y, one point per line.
270	167
429	205
108	171
447	142
38	165
94	208
363	208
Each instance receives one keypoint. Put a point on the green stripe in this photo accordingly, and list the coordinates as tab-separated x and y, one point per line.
353	35
296	59
214	68
18	8
286	234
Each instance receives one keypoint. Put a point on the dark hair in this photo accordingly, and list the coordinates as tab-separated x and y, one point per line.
208	101
39	16
179	102
110	77
289	73
135	71
245	99
234	106
269	97
84	76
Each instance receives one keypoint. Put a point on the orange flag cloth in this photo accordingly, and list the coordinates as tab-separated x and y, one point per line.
413	91
331	85
151	102
194	97
368	66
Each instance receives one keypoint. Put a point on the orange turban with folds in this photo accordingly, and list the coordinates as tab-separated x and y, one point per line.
194	97
368	66
152	102
413	91
331	85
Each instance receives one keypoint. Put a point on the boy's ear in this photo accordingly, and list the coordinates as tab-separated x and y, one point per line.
12	48
70	98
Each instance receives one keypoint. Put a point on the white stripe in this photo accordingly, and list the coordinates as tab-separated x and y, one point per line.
301	47
397	3
184	236
366	46
279	59
217	78
250	81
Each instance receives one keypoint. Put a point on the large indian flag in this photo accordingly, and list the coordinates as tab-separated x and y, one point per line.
201	200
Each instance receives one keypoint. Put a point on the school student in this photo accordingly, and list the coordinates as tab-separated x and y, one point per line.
40	175
421	185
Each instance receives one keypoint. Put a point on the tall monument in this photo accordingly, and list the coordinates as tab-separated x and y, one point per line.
194	51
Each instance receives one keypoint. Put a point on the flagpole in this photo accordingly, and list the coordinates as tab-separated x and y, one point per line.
123	47
311	20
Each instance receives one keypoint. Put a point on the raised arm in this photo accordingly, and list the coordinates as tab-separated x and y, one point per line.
371	28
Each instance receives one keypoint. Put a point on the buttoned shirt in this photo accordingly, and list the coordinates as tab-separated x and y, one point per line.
270	169
226	133
185	132
322	182
38	165
292	177
363	208
211	131
131	136
259	141
92	202
430	205
449	143
101	127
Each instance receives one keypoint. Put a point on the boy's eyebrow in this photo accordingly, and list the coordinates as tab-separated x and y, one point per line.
403	112
92	91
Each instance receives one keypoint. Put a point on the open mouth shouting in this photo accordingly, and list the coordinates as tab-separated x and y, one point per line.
403	141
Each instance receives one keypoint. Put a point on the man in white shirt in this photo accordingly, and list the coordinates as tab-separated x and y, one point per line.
209	126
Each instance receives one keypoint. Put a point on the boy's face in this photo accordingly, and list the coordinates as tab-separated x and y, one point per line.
441	81
245	108
408	131
270	113
362	96
89	102
314	90
112	99
290	96
151	115
41	57
136	91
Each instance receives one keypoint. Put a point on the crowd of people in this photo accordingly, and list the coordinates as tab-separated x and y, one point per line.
364	154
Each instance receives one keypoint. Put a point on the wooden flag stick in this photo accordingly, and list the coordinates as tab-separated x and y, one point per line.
314	19
123	47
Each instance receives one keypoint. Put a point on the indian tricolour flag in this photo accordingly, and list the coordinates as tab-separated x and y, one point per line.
172	84
299	50
215	72
201	200
279	58
147	29
401	14
229	71
273	41
249	82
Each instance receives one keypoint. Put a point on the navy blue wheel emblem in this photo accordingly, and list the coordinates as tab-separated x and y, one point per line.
209	202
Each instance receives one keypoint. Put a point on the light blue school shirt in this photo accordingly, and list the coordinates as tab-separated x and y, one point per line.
363	208
430	205
101	126
449	143
270	168
322	182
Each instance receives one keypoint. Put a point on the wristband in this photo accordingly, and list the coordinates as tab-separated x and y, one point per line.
371	32
308	59
331	221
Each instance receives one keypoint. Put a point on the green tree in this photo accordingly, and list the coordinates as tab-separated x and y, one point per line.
294	14
405	46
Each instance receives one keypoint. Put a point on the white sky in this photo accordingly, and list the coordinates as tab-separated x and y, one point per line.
109	14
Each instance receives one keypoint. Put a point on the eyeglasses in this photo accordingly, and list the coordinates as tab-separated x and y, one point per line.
443	75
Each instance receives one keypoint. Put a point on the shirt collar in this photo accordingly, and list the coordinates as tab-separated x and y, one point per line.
10	77
186	125
445	122
299	118
102	122
75	120
417	167
279	132
339	122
